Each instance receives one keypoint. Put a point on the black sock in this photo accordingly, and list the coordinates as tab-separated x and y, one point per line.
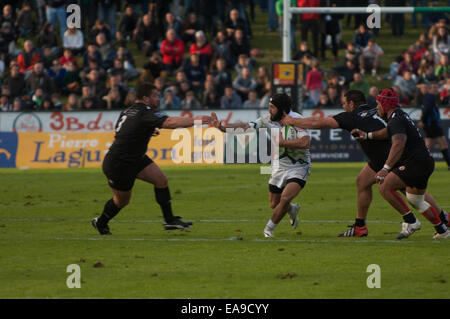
443	217
109	211
409	218
162	196
441	228
360	222
446	157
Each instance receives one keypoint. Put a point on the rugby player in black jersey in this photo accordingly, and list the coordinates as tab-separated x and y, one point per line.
126	159
409	164
358	115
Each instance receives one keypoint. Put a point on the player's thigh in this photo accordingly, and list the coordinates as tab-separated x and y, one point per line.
154	175
366	177
291	190
274	195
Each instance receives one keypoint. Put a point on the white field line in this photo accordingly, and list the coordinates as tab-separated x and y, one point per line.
257	240
314	221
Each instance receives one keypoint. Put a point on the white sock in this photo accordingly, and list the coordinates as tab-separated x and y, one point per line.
271	225
291	209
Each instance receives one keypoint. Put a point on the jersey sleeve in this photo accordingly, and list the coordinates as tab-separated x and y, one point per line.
154	119
345	121
397	125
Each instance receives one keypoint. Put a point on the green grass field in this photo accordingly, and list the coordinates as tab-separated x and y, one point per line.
45	226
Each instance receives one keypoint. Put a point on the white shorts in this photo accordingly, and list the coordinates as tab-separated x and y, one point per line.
280	176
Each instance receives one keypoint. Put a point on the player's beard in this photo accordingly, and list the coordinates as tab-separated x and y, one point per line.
277	117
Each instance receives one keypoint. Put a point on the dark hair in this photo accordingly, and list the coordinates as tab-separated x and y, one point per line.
356	96
282	102
144	89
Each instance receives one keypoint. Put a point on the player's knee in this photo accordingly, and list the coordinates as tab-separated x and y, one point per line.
418	202
285	199
162	181
122	202
273	204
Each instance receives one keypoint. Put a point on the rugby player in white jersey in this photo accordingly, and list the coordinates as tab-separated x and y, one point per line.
290	173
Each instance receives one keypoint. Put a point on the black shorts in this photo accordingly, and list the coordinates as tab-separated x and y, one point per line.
433	131
122	174
415	173
276	190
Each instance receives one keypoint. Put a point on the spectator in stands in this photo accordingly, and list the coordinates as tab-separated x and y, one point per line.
397	20
184	87
361	37
262	77
222	76
25	21
202	48
146	35
360	84
118	68
347	71
244	83
172	50
230	99
106	12
310	22
28	58
93	65
330	26
8	38
407	86
47	37
235	22
442	70
221	48
420	93
74	40
38	98
336	82
407	64
56	102
106	50
239	45
154	68
314	82
5	105
67	57
195	72
98	87
9	15
92	53
15	81
113	99
370	58
57	72
127	25
252	102
190	102
17	105
101	27
303	49
39	79
160	84
243	62
190	27
441	42
56	10
352	53
211	100
88	100
116	82
73	103
371	99
130	99
172	22
71	82
170	101
333	96
324	101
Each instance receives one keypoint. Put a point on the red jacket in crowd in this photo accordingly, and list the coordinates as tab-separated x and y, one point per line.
204	50
172	52
309	3
25	65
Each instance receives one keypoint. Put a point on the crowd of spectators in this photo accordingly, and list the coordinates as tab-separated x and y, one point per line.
95	67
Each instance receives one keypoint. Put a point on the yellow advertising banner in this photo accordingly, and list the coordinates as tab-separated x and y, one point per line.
67	150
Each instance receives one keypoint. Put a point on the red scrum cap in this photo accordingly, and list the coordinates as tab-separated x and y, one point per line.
388	99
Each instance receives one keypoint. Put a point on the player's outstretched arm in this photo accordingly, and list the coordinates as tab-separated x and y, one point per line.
310	122
376	135
217	124
178	122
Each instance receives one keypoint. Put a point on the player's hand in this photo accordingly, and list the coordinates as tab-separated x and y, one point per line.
204	118
156	132
380	176
215	121
286	120
358	134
